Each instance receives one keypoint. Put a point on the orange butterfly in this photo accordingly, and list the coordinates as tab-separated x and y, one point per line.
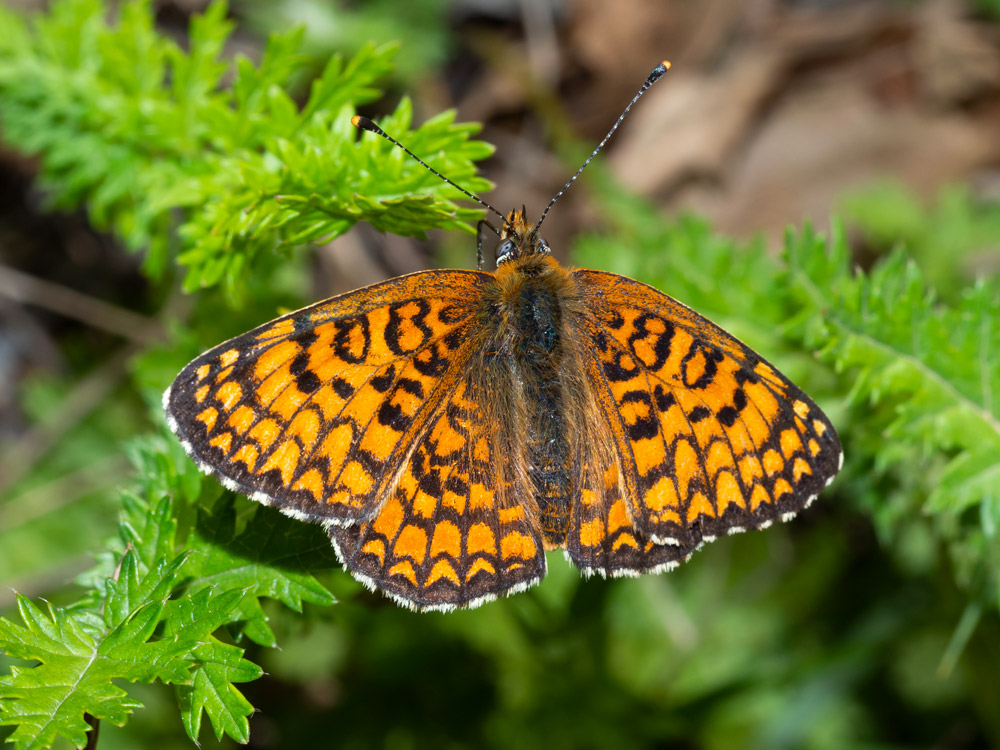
448	427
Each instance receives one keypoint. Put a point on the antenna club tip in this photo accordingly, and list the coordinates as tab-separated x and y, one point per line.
364	123
657	72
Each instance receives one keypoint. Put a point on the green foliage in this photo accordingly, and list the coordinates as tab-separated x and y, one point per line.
54	512
162	143
82	653
991	7
155	606
345	27
932	372
946	238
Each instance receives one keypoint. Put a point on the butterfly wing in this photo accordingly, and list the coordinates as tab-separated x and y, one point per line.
710	438
603	538
316	412
458	530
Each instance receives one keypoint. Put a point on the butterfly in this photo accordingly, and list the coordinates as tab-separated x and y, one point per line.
449	426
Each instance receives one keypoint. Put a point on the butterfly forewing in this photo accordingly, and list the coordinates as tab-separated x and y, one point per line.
316	412
712	439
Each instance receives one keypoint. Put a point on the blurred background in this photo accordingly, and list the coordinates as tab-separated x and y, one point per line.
883	113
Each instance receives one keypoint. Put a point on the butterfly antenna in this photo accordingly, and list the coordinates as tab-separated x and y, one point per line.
365	124
654	75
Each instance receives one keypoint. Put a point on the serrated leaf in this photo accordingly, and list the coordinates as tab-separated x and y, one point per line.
212	691
80	657
217	665
272	557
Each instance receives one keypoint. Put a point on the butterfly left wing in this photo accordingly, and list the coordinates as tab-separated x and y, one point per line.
316	412
458	531
711	439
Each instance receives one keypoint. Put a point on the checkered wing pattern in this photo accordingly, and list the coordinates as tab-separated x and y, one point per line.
710	438
460	528
317	412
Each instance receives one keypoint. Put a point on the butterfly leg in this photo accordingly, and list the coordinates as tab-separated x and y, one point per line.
479	240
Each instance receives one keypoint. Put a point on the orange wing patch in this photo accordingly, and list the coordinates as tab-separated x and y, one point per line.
316	411
712	439
604	540
450	535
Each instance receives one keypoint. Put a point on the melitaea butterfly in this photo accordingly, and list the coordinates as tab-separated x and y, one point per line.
448	427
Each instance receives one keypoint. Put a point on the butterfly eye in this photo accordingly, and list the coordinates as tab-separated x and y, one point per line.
543	247
505	251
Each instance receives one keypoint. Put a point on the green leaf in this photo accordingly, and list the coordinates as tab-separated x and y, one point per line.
212	692
217	665
152	615
80	655
272	556
146	134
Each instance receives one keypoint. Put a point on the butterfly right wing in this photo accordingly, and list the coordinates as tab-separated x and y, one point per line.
711	439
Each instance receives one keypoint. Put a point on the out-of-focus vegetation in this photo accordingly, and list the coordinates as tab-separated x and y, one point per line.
871	620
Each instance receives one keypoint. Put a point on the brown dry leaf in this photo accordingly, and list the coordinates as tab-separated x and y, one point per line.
958	59
808	105
813	149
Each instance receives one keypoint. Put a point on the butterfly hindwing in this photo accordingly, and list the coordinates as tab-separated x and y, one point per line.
455	532
315	412
712	438
604	540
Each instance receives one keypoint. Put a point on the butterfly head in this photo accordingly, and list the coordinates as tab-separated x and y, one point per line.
519	238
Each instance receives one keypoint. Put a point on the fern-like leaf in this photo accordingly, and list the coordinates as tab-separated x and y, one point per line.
80	655
142	132
932	371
